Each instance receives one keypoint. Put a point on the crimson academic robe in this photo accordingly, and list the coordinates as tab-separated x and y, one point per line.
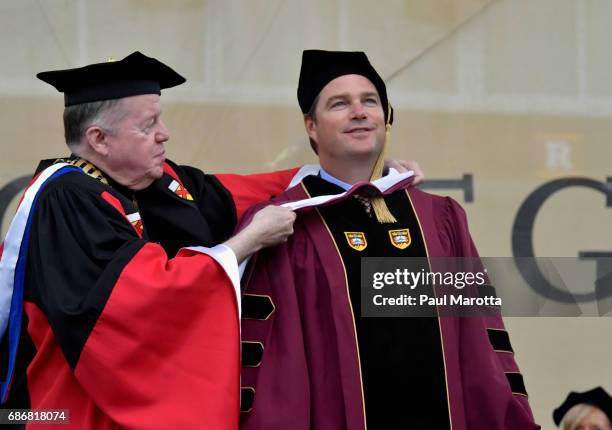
119	328
309	360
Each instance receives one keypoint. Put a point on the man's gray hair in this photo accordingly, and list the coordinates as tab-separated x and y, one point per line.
78	118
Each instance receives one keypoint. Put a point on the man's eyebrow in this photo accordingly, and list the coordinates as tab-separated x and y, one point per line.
150	118
343	96
154	115
335	97
370	94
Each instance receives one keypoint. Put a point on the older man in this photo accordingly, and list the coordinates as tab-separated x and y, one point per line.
119	330
310	361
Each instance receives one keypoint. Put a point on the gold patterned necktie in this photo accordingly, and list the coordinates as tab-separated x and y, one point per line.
366	203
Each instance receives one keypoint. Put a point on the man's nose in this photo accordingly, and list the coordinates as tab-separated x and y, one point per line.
162	134
358	111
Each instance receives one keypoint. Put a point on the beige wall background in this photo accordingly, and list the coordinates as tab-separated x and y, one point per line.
514	92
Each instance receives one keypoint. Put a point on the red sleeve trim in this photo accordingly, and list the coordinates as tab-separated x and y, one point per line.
249	190
166	345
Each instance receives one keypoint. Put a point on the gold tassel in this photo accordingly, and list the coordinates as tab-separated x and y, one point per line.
383	214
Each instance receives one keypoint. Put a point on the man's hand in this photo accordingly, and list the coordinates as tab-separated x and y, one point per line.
403	166
269	226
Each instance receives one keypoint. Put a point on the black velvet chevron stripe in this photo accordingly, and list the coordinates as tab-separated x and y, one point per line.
247	396
252	352
500	340
256	307
517	385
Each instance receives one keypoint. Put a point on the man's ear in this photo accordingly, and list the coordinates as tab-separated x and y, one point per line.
95	138
310	126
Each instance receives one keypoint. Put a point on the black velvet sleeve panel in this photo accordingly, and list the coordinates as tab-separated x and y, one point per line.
78	247
213	199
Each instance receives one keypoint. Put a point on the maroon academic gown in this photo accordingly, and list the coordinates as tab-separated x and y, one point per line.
296	302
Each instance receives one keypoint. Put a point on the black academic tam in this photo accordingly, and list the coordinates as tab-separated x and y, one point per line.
597	397
134	75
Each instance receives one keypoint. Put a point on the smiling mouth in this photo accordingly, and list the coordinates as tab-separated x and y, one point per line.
359	130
